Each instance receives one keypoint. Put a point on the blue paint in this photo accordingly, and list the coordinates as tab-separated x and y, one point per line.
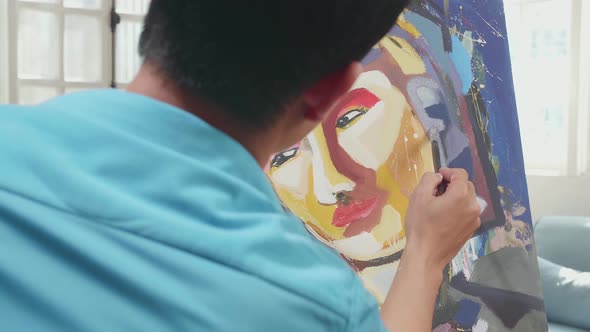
373	55
481	244
462	61
465	161
432	32
439	111
468	313
485	19
498	93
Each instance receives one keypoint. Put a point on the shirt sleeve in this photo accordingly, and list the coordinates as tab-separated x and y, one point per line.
365	315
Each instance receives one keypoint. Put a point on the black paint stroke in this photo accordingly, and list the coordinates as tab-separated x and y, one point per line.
475	103
361	265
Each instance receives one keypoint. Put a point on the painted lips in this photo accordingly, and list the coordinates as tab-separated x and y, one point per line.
347	214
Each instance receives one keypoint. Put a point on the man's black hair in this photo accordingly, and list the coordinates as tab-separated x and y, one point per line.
252	57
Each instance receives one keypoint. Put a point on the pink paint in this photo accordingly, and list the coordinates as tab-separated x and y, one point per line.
347	214
443	328
366	189
357	98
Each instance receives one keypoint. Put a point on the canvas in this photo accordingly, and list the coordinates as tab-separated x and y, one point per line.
437	88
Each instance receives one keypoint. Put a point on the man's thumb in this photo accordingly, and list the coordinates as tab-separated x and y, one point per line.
428	184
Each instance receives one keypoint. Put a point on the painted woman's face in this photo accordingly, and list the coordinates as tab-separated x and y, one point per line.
351	178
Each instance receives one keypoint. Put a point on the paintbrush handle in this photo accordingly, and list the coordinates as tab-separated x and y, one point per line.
437	166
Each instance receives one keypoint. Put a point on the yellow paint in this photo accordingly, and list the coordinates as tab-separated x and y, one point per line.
413	158
391	223
410	158
332	175
408	27
407	158
408	59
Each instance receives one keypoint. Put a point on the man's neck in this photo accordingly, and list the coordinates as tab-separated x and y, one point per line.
151	83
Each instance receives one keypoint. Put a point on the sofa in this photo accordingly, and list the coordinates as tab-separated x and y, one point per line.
563	247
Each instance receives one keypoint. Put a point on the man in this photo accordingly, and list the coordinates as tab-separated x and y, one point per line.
148	210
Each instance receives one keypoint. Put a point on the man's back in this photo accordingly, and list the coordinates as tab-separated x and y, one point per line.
118	212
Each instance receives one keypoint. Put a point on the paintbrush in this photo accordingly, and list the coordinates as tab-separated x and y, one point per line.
434	136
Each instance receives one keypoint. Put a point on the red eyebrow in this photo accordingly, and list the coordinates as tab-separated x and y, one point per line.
358	97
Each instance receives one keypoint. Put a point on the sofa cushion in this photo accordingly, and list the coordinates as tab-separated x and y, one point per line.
564	240
567	294
564	328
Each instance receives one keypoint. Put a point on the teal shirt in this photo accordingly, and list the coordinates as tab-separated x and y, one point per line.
121	213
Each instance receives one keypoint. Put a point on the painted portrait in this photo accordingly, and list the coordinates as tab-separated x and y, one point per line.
430	94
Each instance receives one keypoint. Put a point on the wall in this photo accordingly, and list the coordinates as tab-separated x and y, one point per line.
559	195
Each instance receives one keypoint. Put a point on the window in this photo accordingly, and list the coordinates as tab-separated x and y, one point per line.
4	65
72	36
550	77
79	50
127	60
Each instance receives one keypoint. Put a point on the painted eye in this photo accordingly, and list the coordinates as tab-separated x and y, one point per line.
345	120
283	157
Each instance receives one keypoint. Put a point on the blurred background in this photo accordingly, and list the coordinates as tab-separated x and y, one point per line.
51	47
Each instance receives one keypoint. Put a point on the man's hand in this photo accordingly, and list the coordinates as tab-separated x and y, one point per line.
436	229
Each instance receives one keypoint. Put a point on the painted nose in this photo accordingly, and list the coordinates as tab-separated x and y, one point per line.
328	183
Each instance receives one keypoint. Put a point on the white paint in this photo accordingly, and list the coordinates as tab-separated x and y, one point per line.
468	42
362	245
372	78
413	86
366	141
380	278
293	174
482	204
559	195
370	140
428	95
481	326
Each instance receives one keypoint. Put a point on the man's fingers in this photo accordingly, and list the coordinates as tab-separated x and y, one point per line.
428	184
459	185
471	188
454	174
477	224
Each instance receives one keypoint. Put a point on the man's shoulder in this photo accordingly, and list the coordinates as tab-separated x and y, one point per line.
313	281
18	115
26	124
317	273
23	143
56	152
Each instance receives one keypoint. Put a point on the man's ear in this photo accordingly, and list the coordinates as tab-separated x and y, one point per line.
319	98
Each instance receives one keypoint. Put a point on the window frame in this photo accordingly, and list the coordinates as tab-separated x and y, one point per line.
584	90
60	84
124	17
5	83
573	123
